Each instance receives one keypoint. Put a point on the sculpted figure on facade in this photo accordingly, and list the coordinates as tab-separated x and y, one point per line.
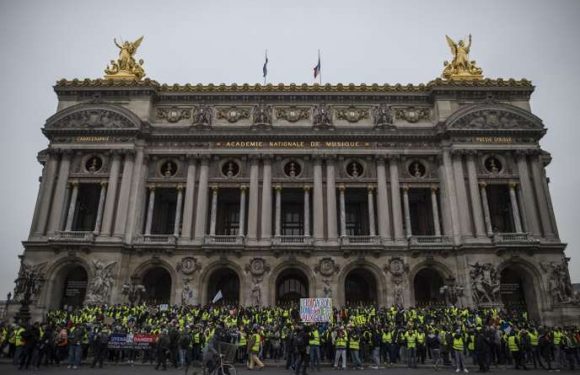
30	280
202	116
125	67
484	283
322	116
383	116
101	284
398	270
460	67
262	115
186	293
559	284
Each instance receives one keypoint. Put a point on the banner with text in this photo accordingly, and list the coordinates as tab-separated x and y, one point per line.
315	310
131	341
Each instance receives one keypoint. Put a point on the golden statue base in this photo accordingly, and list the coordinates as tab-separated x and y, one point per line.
463	77
124	75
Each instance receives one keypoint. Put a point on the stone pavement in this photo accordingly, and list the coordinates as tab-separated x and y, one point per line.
271	369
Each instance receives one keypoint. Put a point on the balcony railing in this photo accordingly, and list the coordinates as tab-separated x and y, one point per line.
85	236
224	239
511	237
429	240
360	240
292	240
159	239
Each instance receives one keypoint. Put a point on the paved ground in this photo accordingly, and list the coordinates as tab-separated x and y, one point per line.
272	369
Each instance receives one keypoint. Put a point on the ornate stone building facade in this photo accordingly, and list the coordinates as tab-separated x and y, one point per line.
417	194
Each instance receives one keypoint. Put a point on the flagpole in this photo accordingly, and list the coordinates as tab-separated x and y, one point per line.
266	59
320	72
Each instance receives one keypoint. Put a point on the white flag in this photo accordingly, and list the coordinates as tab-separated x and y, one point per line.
217	297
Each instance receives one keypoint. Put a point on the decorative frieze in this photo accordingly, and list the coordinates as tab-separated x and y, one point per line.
173	114
293	114
233	114
412	114
352	114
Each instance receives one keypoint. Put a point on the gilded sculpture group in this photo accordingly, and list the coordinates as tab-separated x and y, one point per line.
459	68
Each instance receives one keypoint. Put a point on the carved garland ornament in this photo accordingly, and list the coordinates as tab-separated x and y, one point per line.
173	114
233	114
352	114
257	267
412	114
292	114
188	265
327	267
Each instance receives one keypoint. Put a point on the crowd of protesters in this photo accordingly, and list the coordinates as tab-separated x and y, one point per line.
361	337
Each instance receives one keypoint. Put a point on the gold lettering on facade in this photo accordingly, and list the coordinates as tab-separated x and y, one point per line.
292	144
91	139
494	139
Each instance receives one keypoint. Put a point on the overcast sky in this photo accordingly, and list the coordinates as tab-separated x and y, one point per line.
224	41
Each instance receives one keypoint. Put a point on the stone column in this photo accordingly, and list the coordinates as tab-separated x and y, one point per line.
331	201
72	205
102	197
213	212
341	200
485	204
189	199
371	203
242	224
515	208
449	198
306	211
134	217
150	207
253	203
542	168
124	194
396	197
201	214
435	208
177	222
475	198
541	197
266	225
407	211
278	212
383	200
111	194
462	205
57	208
45	193
317	201
529	209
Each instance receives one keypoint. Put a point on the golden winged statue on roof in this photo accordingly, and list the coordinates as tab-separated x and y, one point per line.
460	67
126	67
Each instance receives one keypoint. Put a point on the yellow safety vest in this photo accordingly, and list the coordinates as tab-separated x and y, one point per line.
557	337
387	337
513	344
340	342
411	340
256	347
18	341
421	338
533	338
471	345
315	338
458	344
353	344
243	340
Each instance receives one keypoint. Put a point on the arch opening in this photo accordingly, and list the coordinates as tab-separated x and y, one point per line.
227	281
74	287
291	285
157	282
427	286
360	287
517	291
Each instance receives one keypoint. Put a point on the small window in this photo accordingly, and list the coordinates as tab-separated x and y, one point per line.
168	168
417	169
94	164
292	169
230	169
354	169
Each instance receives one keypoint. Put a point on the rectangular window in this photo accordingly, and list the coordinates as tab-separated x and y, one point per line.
292	212
500	209
87	205
421	210
228	213
357	212
164	211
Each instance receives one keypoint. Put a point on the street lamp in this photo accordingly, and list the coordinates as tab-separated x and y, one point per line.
27	283
133	290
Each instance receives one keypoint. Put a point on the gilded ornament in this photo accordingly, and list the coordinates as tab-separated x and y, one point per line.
352	114
292	114
126	68
460	68
233	114
412	114
173	114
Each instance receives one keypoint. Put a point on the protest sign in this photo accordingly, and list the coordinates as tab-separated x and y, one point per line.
315	310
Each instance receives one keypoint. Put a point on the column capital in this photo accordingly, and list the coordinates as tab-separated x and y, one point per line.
471	153
307	187
278	187
243	187
191	158
513	184
342	187
458	152
434	188
74	183
214	187
521	154
405	188
371	188
267	158
66	152
482	184
380	158
179	187
104	183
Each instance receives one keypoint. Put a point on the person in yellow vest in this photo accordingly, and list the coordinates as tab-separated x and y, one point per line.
314	344
242	343
354	347
411	338
513	343
534	343
386	341
557	343
458	348
340	342
18	343
253	350
196	342
421	345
